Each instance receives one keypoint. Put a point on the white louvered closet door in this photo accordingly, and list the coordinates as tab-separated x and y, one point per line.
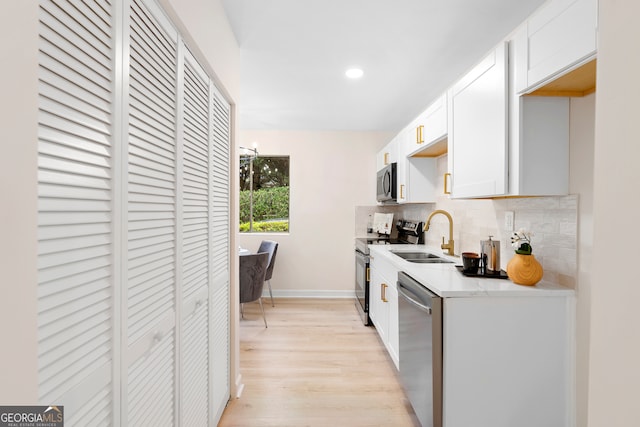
152	218
75	209
219	297
133	222
195	245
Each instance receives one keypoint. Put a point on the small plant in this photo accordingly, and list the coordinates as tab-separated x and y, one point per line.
521	241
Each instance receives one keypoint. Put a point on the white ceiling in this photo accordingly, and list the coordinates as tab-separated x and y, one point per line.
294	54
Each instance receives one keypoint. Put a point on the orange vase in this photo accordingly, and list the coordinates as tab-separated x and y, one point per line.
524	270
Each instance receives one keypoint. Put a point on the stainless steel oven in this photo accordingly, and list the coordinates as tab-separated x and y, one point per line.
362	285
406	232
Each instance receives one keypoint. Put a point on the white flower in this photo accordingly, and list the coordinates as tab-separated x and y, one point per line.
521	241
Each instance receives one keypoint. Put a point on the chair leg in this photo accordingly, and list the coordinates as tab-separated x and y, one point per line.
263	316
270	293
242	310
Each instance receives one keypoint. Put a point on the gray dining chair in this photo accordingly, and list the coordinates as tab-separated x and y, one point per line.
271	248
253	268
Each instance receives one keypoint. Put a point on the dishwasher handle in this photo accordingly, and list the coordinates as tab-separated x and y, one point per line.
413	301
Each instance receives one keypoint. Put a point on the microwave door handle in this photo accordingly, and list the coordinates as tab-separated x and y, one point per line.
387	182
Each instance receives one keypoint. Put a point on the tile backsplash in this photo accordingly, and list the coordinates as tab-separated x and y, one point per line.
553	221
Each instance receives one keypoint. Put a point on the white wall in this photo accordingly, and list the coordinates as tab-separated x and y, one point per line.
581	182
614	372
18	198
330	174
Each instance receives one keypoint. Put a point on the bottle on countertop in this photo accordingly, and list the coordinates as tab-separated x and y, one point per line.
490	256
370	224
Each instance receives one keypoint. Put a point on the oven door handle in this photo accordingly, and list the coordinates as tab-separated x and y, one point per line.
413	301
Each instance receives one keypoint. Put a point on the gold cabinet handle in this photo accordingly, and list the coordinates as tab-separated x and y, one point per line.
368	278
386	158
402	191
420	134
446	181
383	293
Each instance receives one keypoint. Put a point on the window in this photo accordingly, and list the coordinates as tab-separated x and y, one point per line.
264	194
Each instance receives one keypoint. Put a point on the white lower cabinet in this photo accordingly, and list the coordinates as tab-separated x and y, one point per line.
383	305
507	361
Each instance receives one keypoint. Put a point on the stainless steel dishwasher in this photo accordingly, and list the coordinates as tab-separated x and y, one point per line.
420	352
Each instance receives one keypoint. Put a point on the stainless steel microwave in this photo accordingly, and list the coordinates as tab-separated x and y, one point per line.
387	184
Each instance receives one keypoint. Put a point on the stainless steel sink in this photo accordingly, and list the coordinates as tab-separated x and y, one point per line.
430	261
421	257
414	255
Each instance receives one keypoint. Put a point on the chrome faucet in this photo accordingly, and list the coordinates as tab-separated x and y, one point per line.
448	246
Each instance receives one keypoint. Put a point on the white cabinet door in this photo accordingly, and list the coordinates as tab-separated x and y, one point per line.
417	180
428	128
383	305
77	225
393	331
561	35
195	253
507	361
377	308
388	155
402	171
478	129
416	176
149	375
219	239
435	121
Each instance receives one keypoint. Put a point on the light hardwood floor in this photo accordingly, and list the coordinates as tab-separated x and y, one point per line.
316	365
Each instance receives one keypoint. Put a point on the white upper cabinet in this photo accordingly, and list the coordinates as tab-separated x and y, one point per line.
428	130
538	139
416	176
417	179
478	129
558	37
388	155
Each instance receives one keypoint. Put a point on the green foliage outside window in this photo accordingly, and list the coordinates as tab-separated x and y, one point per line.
270	190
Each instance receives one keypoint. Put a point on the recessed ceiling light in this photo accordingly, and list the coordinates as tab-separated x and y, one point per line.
354	73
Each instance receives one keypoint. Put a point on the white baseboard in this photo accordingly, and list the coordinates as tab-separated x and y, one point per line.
309	293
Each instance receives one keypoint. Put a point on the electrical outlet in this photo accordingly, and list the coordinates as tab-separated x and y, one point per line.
508	220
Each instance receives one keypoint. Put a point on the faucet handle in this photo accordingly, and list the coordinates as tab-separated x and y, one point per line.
445	245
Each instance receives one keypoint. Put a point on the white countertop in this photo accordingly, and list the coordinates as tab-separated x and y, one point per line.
446	281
